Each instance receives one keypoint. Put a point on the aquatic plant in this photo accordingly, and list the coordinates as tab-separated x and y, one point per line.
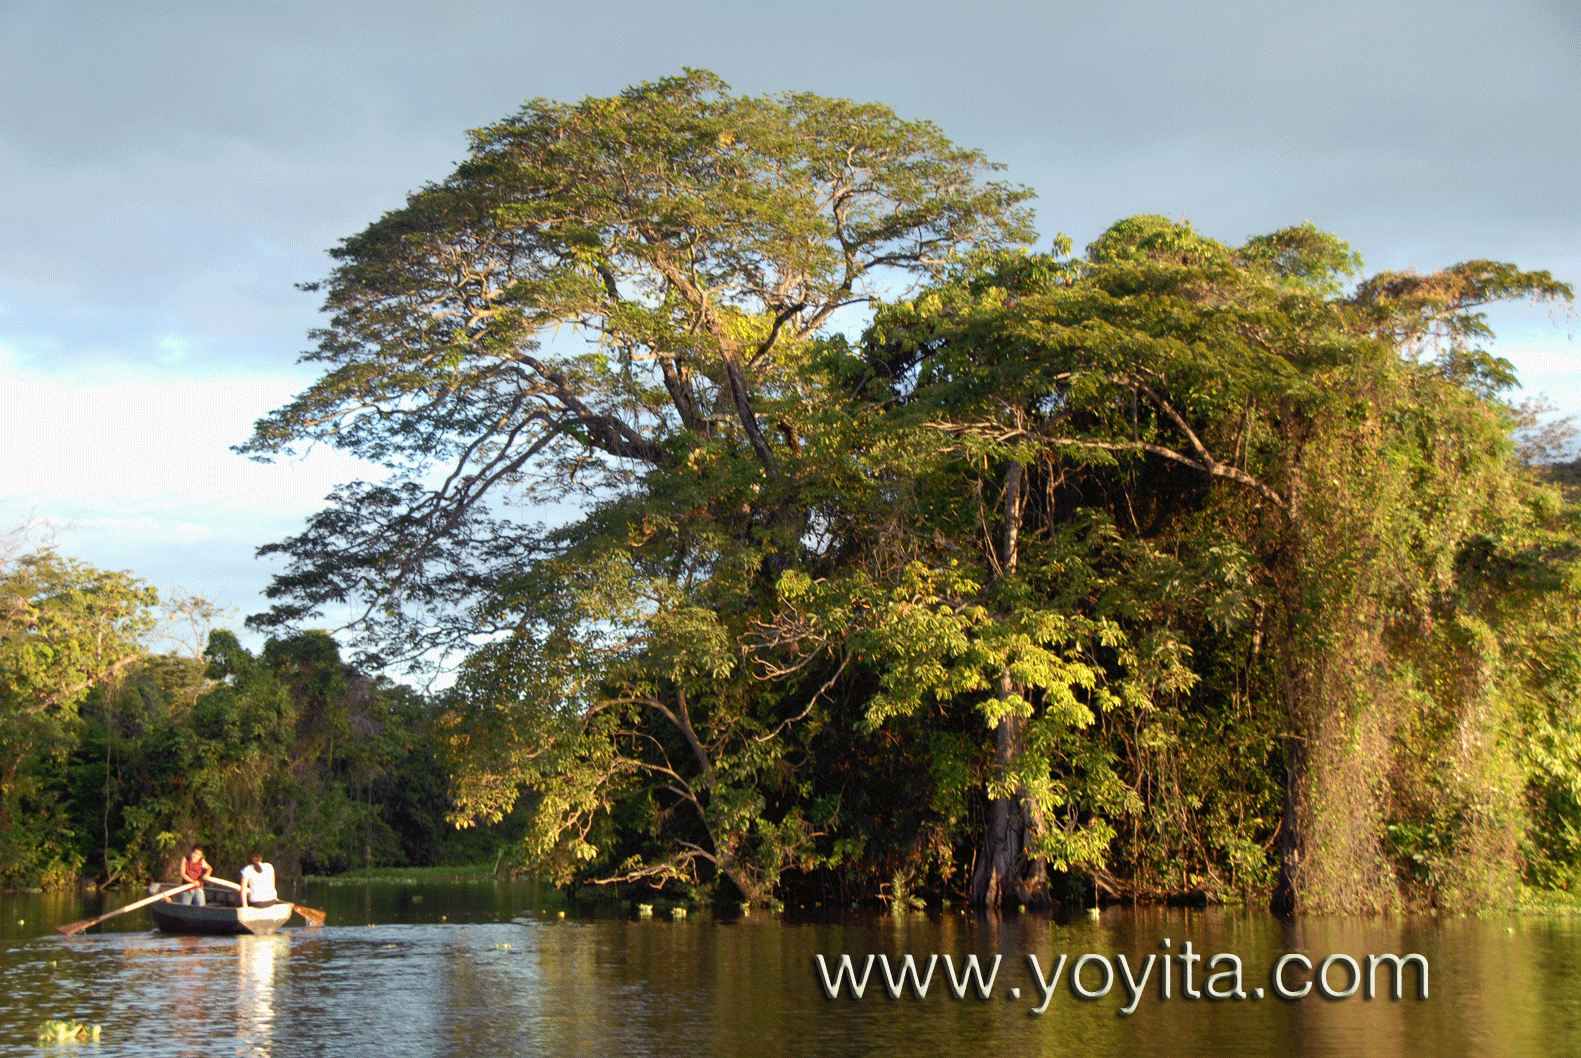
54	1031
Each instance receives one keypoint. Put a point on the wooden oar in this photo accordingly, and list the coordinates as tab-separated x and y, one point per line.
313	917
77	927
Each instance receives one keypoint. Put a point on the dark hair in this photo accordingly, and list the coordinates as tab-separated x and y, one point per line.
196	848
256	857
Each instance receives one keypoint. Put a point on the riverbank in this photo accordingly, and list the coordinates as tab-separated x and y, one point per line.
477	872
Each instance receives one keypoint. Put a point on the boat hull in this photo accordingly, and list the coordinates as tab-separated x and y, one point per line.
172	917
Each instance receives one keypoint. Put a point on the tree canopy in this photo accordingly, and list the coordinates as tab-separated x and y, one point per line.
600	290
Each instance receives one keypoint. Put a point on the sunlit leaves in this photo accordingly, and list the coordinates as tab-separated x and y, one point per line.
600	289
64	626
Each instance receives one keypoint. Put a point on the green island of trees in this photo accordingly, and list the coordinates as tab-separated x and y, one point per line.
885	558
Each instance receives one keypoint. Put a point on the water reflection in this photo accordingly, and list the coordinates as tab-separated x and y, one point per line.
515	980
186	969
255	972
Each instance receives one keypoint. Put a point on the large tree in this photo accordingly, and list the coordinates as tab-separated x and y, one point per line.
608	301
1177	472
599	290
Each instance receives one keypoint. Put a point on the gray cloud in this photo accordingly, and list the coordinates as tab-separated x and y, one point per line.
171	170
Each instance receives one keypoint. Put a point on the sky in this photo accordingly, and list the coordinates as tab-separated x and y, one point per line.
170	172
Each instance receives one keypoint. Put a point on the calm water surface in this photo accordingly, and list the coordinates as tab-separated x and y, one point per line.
489	970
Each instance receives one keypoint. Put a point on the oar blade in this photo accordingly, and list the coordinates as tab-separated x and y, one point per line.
313	917
77	927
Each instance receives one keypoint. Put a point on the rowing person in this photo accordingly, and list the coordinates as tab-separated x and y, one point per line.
194	868
258	882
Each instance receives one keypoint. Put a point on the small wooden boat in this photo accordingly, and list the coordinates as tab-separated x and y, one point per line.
222	914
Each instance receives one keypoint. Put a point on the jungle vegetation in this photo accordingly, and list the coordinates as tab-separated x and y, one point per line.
799	527
117	759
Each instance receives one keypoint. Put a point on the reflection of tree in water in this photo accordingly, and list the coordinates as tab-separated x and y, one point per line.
255	964
190	994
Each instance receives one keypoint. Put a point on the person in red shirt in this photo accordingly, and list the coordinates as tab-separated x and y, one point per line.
194	868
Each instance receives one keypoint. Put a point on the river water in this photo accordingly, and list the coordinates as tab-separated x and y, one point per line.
492	970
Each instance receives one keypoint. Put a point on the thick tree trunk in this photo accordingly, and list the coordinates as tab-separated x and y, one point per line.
1005	874
752	890
1292	832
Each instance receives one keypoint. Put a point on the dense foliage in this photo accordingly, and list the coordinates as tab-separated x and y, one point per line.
118	759
64	629
1178	566
1183	517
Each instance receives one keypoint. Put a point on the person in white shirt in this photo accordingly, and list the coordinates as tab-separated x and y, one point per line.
258	883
